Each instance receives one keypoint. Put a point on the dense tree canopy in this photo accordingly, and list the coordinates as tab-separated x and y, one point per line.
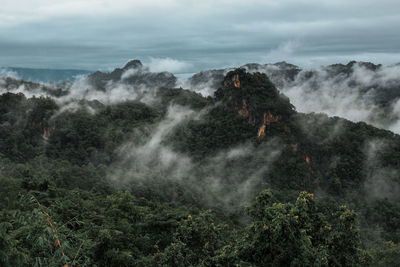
228	181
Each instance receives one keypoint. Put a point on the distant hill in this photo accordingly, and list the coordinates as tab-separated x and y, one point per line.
358	91
53	76
285	75
133	74
9	84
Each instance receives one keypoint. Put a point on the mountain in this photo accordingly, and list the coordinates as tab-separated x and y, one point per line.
133	74
286	76
8	84
322	150
163	178
277	72
358	91
51	76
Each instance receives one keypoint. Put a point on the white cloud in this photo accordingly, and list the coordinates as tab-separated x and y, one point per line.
168	64
8	73
381	181
343	96
284	51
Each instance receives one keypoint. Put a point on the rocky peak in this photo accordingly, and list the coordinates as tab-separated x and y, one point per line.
337	69
133	64
255	97
285	65
134	74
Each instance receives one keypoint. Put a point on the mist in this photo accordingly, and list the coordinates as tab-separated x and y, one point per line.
354	97
357	91
228	179
381	182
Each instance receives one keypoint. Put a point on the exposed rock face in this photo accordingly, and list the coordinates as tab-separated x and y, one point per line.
268	119
244	112
253	96
47	132
308	161
236	81
133	74
261	132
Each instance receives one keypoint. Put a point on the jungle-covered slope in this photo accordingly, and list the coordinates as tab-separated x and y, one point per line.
164	180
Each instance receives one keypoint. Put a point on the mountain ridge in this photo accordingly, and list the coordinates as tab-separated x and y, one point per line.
134	74
170	154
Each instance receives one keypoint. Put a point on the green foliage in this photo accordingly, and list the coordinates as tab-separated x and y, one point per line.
178	96
21	124
259	93
91	228
81	137
382	218
386	256
286	234
55	161
217	130
195	243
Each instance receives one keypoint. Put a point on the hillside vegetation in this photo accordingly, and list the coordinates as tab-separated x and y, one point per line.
173	178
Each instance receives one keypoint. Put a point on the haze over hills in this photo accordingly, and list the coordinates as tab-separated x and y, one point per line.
358	91
133	74
181	133
177	153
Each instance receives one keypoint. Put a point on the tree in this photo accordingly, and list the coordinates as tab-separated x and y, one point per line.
195	243
287	234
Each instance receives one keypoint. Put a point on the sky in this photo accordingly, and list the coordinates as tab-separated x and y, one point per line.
184	36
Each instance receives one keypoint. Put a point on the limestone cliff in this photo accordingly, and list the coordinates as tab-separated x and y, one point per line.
253	96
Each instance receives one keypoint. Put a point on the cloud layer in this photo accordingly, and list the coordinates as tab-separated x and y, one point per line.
208	34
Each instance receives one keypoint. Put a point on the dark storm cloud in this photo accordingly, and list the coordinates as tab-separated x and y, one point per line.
105	34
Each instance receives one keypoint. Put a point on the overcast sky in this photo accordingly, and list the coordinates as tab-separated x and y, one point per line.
190	35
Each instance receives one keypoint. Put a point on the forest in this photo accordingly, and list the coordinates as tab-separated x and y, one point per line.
172	178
